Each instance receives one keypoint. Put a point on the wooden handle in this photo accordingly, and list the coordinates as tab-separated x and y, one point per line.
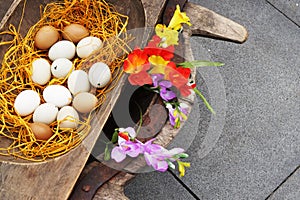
208	23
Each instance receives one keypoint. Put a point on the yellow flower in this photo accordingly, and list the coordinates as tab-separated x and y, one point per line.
178	19
181	167
169	36
158	63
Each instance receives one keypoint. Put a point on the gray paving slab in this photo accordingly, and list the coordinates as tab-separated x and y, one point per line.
260	143
155	185
259	146
289	190
291	8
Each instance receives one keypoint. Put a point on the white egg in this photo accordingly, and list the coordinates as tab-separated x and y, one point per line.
46	113
26	102
78	81
68	117
61	67
40	69
85	102
58	95
62	49
87	46
99	75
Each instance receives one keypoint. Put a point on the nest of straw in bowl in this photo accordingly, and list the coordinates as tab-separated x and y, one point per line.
102	21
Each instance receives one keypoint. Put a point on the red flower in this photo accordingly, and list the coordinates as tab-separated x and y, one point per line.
179	77
140	78
125	136
154	49
186	72
136	62
185	90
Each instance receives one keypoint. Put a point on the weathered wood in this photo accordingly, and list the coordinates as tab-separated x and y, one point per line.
208	23
8	13
53	178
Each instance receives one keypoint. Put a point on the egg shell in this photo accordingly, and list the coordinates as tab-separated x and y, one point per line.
87	46
41	131
75	32
62	49
61	67
58	95
45	113
46	37
26	102
85	102
99	75
68	117
78	81
41	73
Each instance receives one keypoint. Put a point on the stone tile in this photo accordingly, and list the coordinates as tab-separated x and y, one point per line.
259	145
289	190
290	8
156	186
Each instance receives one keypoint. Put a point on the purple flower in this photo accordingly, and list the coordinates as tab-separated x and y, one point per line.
177	114
156	78
129	148
164	87
157	156
165	92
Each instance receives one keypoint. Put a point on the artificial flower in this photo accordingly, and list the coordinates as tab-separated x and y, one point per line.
165	92
185	90
168	36
182	166
177	114
126	134
141	78
178	19
136	62
158	64
156	78
154	48
163	86
179	78
129	148
158	157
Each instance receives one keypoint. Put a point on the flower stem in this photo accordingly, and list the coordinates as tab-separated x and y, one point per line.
204	101
141	118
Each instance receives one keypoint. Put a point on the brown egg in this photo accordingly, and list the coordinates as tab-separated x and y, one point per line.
75	32
46	37
85	102
41	131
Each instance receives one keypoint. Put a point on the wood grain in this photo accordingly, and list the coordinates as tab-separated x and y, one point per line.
53	178
210	24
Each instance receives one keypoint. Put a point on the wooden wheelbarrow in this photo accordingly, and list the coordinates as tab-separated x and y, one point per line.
56	178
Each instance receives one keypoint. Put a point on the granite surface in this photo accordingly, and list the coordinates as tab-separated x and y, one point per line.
258	146
289	189
290	8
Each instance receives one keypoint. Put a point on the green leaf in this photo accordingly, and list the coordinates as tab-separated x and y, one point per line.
114	138
204	101
107	153
200	63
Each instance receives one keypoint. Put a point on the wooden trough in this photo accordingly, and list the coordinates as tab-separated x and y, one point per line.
56	178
